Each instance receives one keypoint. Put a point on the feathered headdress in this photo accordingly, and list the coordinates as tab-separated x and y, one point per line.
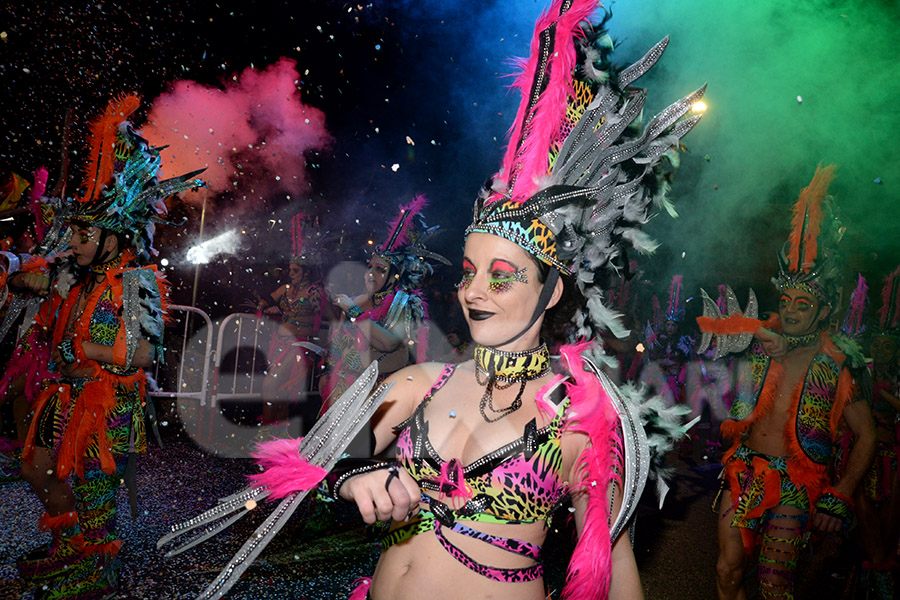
808	260
675	308
889	313
121	190
854	320
405	247
580	173
308	242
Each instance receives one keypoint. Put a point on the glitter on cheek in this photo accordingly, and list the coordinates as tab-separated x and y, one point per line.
498	286
465	282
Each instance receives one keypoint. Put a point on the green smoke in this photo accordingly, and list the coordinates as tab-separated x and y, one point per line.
761	142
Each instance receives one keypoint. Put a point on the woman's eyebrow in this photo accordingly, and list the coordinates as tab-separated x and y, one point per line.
468	262
501	263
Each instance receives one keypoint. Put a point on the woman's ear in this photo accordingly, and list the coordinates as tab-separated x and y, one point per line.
557	293
111	245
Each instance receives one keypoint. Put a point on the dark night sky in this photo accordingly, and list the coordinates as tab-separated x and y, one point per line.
431	71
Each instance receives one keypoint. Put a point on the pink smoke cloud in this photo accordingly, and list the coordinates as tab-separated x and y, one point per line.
251	134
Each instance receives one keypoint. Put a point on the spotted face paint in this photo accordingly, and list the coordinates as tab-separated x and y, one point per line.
503	275
468	275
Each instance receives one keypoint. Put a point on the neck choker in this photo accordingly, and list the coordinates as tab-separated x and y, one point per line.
110	264
378	297
800	341
493	366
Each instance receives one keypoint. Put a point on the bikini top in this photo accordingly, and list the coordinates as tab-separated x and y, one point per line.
520	482
304	311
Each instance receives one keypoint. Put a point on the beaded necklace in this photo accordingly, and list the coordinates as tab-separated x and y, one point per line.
493	366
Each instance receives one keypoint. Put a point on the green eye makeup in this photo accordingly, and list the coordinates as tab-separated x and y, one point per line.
502	281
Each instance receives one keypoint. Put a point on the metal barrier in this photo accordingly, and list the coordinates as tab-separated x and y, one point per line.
235	334
180	392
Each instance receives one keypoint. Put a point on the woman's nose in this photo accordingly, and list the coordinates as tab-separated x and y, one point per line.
476	289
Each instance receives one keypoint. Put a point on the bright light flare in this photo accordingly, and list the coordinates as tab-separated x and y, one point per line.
699	106
224	243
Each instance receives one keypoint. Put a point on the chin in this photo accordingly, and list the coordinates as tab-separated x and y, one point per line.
796	331
489	334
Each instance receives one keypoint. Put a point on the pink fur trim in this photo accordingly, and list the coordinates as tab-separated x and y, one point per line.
593	414
32	364
362	588
529	161
285	471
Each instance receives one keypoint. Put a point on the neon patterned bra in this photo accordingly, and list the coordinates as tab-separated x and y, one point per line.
520	482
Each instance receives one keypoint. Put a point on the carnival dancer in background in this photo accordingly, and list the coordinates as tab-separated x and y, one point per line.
878	498
101	327
487	450
709	389
669	350
299	306
629	350
388	322
797	388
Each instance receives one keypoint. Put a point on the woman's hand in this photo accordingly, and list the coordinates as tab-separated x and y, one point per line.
33	282
383	494
343	302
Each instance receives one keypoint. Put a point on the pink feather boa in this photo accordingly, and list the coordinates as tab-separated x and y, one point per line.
360	592
285	471
537	129
593	414
32	363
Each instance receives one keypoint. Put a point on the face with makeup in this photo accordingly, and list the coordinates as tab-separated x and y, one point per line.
377	272
84	244
499	291
801	313
884	350
295	272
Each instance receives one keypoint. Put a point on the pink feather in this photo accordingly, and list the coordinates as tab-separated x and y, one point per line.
593	414
361	591
657	315
452	482
721	301
854	319
527	158
285	471
34	202
32	363
297	233
674	295
414	208
889	313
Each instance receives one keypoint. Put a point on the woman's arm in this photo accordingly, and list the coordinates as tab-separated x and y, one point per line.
391	493
624	580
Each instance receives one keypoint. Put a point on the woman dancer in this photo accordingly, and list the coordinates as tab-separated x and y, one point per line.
387	322
470	461
299	306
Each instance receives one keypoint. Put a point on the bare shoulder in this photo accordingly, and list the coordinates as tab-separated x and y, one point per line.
410	385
